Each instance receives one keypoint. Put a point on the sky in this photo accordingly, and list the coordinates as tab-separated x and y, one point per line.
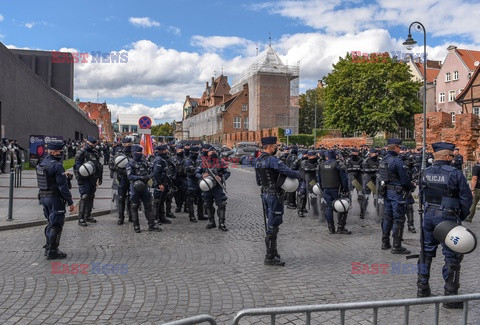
172	48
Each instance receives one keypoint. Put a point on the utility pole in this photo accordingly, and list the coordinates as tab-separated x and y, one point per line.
315	127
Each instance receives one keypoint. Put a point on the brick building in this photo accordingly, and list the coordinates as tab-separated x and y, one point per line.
99	113
261	98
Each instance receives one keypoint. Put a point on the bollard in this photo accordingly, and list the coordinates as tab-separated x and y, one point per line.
10	198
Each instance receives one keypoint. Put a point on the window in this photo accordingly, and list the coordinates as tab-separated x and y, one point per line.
451	95
455	75
124	128
453	116
133	128
476	110
244	107
441	98
237	122
448	77
245	123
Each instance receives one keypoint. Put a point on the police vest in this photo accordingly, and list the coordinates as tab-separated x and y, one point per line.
370	166
330	175
268	176
180	166
354	165
140	168
384	173
436	191
45	182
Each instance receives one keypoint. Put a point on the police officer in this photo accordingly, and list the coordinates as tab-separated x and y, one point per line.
291	196
308	175
409	161
53	194
333	181
369	178
447	196
138	173
353	165
214	167
396	185
300	193
87	186
194	194
123	184
267	170
161	183
457	161
178	160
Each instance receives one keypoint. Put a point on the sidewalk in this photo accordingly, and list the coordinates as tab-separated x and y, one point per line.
26	209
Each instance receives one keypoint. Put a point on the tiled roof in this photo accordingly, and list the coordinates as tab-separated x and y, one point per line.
432	73
469	57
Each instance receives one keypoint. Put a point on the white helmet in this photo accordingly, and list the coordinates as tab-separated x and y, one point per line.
290	184
341	205
207	183
121	161
458	238
317	190
87	169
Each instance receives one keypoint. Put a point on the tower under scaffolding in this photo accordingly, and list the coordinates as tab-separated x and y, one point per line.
273	92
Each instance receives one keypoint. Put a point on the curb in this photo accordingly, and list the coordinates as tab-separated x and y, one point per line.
72	217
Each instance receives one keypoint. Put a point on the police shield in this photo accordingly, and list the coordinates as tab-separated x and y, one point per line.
458	238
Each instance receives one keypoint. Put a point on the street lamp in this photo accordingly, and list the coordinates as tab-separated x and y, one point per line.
410	43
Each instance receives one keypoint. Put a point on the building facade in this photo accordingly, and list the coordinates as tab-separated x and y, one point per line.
469	98
101	116
31	106
417	70
127	124
455	73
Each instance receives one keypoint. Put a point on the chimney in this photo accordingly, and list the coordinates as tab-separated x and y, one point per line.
207	85
451	48
320	84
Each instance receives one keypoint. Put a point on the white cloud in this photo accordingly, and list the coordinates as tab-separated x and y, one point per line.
166	112
441	18
143	22
1	18
30	25
174	30
212	43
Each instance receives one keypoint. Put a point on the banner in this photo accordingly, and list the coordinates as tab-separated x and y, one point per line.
38	147
146	144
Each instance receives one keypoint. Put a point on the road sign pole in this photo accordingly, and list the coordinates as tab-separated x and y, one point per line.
287	139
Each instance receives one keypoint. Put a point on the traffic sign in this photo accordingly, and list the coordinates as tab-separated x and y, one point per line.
144	122
288	132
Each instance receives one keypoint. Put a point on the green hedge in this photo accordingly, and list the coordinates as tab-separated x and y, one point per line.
300	139
381	142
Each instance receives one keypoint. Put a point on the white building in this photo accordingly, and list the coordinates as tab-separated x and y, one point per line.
128	123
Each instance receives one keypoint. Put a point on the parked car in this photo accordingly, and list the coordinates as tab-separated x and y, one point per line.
243	155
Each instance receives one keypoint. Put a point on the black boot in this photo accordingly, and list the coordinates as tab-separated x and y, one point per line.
200	210
54	253
191	211
211	218
121	210
274	241
386	242
88	210
81	212
168	207
411	227
331	228
129	210
221	217
152	226
342	221
397	242
161	216
452	284
424	265
136	222
361	202
270	258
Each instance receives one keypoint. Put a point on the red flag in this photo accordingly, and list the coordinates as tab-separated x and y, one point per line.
146	144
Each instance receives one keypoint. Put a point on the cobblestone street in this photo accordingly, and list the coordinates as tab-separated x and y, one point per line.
187	270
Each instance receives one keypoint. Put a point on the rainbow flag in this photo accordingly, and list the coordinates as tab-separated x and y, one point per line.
146	144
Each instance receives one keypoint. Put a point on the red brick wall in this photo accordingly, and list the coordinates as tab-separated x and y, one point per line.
235	109
350	142
249	136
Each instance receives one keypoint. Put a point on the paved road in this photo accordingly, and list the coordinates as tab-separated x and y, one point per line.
187	270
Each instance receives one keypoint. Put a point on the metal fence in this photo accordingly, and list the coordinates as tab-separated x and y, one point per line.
307	310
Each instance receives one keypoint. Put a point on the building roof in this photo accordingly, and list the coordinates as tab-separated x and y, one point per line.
461	96
469	57
433	68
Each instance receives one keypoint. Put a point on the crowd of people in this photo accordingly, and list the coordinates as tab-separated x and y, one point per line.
194	178
11	154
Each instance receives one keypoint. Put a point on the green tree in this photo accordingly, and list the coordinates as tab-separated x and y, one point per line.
307	102
370	96
165	129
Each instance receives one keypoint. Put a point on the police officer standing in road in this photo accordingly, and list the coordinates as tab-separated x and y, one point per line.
214	167
369	178
396	184
353	164
446	196
308	174
475	189
333	181
194	194
267	170
160	183
457	161
123	185
178	160
87	185
138	173
53	194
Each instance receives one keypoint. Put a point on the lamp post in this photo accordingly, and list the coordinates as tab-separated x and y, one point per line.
315	126
410	42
